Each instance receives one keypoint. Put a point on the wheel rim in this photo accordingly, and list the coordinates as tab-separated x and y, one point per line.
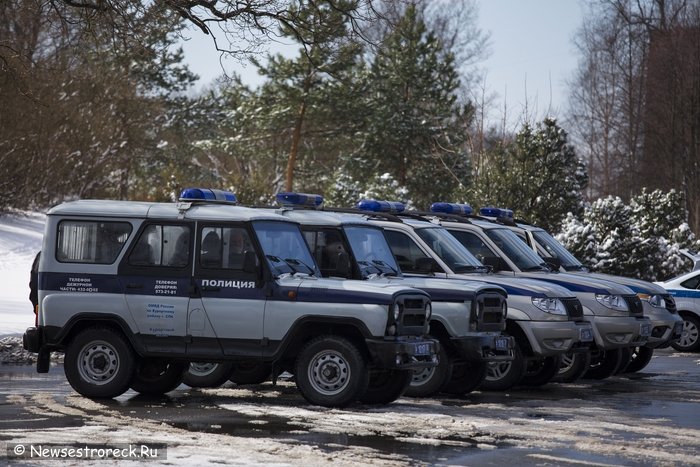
422	376
98	362
567	362
689	336
202	368
497	371
329	372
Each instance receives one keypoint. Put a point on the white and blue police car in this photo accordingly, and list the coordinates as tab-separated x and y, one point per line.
133	292
685	289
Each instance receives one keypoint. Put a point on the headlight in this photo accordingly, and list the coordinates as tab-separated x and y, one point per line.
550	305
428	311
614	302
397	311
504	308
654	300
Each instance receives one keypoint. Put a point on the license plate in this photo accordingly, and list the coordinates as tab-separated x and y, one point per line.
422	349
645	330
502	343
586	334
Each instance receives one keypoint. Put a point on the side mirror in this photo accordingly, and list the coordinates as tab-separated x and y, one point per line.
427	265
496	263
343	265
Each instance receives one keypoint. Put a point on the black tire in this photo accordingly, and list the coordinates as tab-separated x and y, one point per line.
604	363
428	381
690	337
572	367
540	371
641	356
501	376
625	360
155	376
386	386
207	374
330	371
250	372
99	363
466	377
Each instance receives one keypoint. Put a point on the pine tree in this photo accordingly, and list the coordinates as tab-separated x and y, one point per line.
415	128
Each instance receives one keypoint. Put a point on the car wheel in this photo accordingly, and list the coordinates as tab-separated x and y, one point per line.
386	386
330	371
466	377
604	363
504	375
99	362
250	372
641	356
207	374
155	376
690	337
540	371
428	381
572	367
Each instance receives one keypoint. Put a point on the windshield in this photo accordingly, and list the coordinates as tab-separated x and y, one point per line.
284	248
516	250
557	250
448	248
371	251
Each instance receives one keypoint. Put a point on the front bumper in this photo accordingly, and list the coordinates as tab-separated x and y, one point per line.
619	332
484	348
666	327
403	352
548	338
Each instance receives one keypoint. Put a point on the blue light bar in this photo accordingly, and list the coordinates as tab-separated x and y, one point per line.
298	199
380	206
498	213
452	208
207	194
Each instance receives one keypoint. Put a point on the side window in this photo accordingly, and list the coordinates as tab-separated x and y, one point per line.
327	247
692	283
225	248
93	242
163	246
405	250
474	244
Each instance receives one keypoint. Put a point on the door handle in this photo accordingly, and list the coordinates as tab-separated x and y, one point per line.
209	288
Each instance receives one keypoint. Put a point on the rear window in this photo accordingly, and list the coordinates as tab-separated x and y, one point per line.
91	242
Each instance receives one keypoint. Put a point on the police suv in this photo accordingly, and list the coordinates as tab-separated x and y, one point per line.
467	318
134	291
659	305
616	312
545	320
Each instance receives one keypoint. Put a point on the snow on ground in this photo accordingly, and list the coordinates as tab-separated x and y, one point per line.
20	240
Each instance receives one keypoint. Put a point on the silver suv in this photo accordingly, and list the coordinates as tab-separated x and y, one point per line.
133	292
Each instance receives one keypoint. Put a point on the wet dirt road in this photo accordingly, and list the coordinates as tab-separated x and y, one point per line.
648	418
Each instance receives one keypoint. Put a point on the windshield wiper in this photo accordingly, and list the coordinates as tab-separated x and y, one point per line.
470	268
292	262
539	267
368	265
379	262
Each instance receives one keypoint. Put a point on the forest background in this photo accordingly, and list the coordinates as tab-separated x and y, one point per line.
384	99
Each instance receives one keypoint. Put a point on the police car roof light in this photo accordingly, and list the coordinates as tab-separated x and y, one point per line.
208	194
298	199
452	208
380	206
498	213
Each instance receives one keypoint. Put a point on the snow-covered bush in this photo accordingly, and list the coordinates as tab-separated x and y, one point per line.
642	239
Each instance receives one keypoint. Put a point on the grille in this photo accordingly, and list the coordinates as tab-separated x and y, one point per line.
488	308
573	306
413	312
414	304
635	304
670	303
